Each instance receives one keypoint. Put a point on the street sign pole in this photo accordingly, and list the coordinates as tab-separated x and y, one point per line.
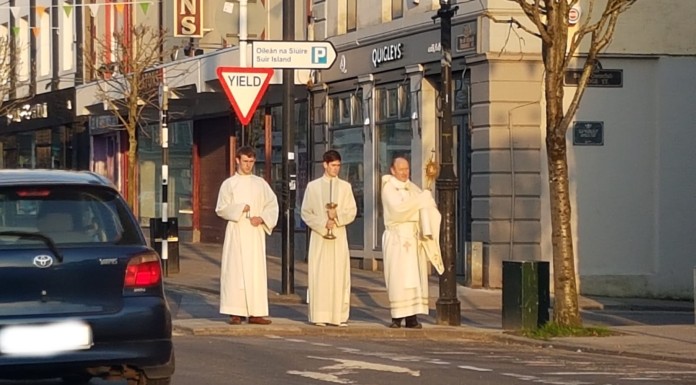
289	173
164	138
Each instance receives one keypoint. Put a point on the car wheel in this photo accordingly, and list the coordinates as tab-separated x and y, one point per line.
76	379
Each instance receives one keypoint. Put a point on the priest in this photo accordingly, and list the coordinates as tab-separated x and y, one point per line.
406	247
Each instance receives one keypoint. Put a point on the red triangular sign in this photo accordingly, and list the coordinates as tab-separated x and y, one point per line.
245	88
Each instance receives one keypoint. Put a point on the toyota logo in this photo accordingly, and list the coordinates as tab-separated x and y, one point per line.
43	261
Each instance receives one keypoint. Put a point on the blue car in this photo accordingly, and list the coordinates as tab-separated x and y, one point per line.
81	292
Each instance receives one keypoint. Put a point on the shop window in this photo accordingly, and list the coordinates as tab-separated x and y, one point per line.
397	9
351	15
346	137
179	188
393	137
44	46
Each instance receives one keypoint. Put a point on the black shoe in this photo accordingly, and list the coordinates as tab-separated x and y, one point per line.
396	323
412	322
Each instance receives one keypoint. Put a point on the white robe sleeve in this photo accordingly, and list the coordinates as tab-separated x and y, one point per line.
347	208
270	211
404	210
226	207
312	212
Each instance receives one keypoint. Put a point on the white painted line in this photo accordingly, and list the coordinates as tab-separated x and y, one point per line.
538	380
474	368
321	377
295	340
363	365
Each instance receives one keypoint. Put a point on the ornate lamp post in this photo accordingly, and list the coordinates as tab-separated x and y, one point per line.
448	306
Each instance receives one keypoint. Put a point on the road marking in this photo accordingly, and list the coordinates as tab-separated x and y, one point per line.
321	377
474	368
295	340
538	380
363	365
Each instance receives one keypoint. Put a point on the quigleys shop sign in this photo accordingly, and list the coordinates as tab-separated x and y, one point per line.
387	53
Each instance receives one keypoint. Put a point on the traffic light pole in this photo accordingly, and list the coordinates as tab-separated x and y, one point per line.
447	306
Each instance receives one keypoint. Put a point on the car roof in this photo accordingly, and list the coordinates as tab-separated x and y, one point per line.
43	177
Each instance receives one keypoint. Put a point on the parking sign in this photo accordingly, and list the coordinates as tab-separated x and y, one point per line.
319	55
292	54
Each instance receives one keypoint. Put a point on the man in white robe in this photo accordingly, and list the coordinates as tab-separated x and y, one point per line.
405	247
250	208
328	276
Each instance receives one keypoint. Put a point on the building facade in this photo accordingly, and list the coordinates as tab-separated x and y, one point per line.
630	144
632	207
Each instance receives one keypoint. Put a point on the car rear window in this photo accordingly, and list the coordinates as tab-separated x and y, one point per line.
67	214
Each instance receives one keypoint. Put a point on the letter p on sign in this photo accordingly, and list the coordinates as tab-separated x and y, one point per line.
319	55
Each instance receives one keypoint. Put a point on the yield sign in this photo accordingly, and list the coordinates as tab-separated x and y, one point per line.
244	88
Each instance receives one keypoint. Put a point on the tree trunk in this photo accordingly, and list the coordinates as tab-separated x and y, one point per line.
565	309
132	163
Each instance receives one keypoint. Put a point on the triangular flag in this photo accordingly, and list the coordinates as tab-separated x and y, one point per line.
15	31
36	31
94	9
145	6
120	7
40	9
15	12
67	8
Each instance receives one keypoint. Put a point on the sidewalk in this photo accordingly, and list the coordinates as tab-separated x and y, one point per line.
652	329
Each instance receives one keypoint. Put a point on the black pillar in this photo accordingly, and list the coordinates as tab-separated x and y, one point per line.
289	173
448	306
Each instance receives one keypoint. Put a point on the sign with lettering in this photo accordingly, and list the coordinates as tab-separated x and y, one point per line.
588	133
598	78
188	18
390	52
292	54
245	88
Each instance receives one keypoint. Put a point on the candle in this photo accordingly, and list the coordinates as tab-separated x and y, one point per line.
331	190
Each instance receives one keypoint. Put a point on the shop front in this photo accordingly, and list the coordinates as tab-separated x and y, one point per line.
43	132
378	101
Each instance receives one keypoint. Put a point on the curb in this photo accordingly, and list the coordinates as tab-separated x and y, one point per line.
207	327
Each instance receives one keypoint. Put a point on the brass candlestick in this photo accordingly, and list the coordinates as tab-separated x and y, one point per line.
329	233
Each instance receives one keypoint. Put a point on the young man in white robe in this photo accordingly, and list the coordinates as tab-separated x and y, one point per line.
328	276
250	208
405	247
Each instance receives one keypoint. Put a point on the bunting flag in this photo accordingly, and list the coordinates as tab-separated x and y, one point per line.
15	31
145	6
36	31
67	8
94	9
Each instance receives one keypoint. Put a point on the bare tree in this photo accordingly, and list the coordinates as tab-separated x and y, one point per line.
129	83
549	22
9	82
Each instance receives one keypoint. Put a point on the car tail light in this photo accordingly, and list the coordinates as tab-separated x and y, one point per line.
143	271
